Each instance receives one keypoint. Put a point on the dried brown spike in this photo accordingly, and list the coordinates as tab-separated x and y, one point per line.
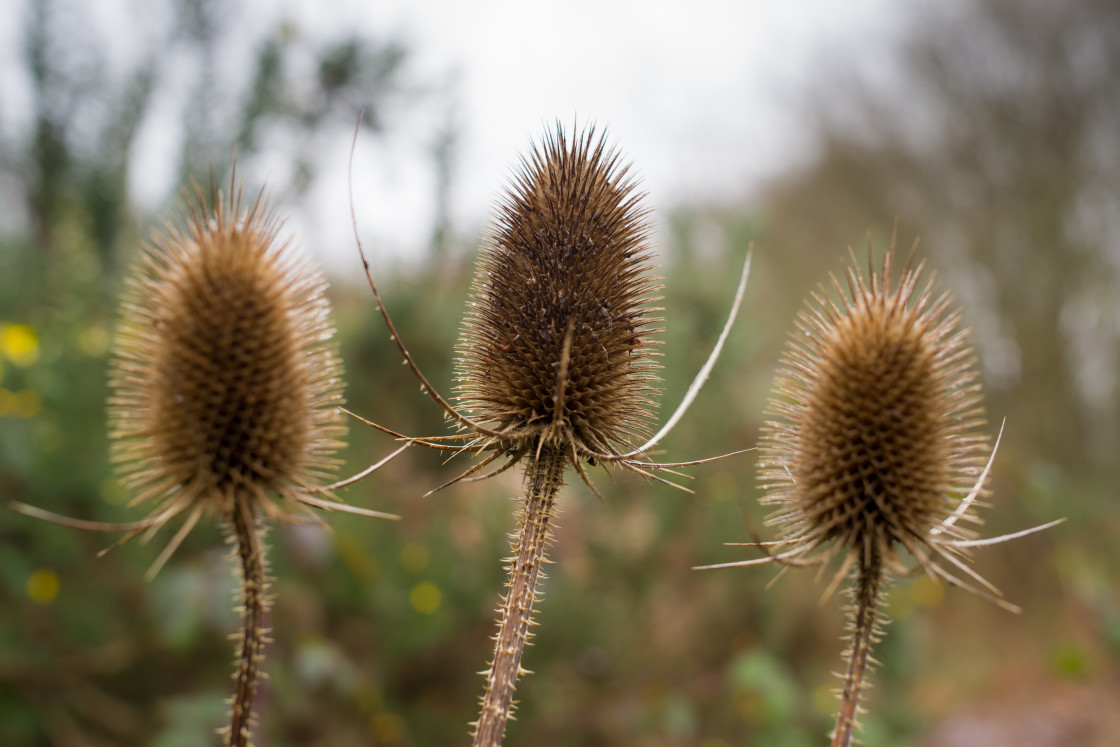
875	420
224	379
225	393
556	361
556	354
226	388
874	426
558	341
874	444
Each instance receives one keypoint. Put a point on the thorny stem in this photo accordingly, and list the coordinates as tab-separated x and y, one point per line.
253	636
543	476
865	632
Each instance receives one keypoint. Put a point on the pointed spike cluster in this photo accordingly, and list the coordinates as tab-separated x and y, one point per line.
873	447
225	393
875	423
224	378
557	361
225	389
556	356
559	338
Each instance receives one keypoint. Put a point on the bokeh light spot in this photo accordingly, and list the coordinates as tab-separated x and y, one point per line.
19	344
927	592
43	586
1070	659
94	340
425	597
112	491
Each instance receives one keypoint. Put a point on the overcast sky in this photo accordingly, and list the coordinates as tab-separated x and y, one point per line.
703	97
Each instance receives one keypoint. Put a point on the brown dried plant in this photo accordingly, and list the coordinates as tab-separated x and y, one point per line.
225	394
557	360
874	447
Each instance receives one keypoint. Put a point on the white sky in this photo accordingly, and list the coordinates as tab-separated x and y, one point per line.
700	96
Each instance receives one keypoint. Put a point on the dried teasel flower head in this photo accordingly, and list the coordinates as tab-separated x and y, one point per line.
225	396
557	345
873	446
556	362
225	381
224	378
875	422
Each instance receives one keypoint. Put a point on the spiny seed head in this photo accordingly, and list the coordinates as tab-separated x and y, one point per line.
224	379
557	343
875	417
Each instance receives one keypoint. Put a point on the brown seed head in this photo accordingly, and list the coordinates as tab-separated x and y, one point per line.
224	380
558	340
874	420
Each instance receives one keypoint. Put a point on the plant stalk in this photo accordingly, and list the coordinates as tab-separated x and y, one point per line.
543	478
253	636
865	632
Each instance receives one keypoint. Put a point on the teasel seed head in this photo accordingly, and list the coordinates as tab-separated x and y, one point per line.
873	433
225	381
873	444
875	426
558	344
557	364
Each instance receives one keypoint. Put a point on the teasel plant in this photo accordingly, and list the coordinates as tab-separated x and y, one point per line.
225	400
874	451
557	362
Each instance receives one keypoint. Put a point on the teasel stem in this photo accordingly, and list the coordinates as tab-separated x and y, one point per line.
247	535
543	479
865	633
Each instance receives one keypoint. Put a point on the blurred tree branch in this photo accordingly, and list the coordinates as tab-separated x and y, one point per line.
73	163
997	137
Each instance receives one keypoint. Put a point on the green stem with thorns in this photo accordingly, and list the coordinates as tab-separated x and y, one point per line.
247	535
543	478
865	633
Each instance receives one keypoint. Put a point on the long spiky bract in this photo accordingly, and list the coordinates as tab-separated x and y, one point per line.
874	446
225	393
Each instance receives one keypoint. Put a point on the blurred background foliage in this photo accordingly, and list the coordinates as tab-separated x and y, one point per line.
994	139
